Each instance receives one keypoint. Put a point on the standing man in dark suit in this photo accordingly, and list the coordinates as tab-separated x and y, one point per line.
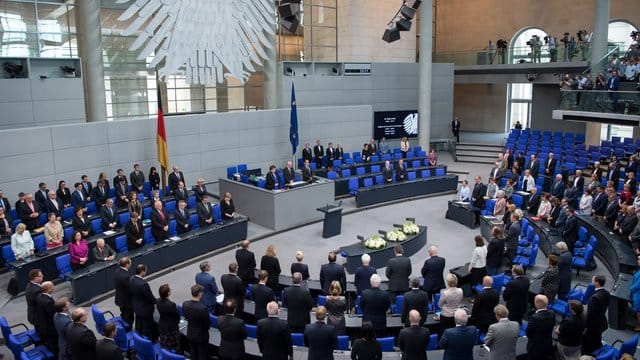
332	272
432	271
414	299
401	171
144	302
596	319
134	232
274	338
557	189
181	215
578	182
307	172
534	202
232	333
81	342
120	176
54	205
458	342
534	166
45	327
200	189
30	212
109	216
198	325
181	192
87	188
455	128
205	212
31	293
477	197
387	172
62	320
137	179
159	221
320	338
512	236
122	193
299	305
414	339
375	304
613	174
246	263
271	178
363	274
570	230
599	204
306	153
208	283
485	301
106	348
5	204
612	209
288	173
497	171
233	288
100	193
516	294
398	272
123	292
339	152
550	165
42	195
330	154
262	295
539	330
174	178
318	152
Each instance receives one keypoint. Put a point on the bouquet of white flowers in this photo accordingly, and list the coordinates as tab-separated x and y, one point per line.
375	242
410	228
396	235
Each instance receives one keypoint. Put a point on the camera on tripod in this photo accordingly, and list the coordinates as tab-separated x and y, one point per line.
535	40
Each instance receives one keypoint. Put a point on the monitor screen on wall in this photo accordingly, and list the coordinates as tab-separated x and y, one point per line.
395	124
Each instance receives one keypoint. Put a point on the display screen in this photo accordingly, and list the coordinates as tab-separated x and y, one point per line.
395	124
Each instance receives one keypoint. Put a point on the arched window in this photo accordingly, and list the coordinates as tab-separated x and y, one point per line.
519	51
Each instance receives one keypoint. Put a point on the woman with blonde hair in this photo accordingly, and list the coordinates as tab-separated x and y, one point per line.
300	267
53	232
336	306
270	263
450	301
22	243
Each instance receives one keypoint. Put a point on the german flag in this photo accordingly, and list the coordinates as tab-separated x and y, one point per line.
161	138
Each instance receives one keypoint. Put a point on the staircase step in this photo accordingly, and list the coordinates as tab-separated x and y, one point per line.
483	154
493	148
474	159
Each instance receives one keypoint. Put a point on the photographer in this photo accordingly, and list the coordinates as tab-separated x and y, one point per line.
501	44
550	41
536	49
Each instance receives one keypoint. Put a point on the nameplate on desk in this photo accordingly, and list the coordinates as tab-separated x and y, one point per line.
462	202
146	222
109	232
175	238
524	193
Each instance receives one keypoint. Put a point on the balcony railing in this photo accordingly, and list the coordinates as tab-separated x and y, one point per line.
620	102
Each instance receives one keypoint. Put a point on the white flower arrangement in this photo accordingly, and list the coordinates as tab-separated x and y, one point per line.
375	242
410	228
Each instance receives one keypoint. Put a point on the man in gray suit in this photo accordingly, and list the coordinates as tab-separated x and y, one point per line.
502	336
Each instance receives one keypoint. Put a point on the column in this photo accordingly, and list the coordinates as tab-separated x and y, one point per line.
271	75
89	36
424	95
601	12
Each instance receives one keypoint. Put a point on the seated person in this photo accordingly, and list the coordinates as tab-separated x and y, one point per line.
134	232
81	223
205	212
102	251
78	251
109	216
22	243
227	207
53	232
181	215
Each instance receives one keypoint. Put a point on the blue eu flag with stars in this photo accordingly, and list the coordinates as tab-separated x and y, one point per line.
293	128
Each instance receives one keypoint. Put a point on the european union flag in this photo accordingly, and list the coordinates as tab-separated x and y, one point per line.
293	128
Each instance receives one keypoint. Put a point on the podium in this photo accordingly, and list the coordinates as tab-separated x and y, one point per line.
332	224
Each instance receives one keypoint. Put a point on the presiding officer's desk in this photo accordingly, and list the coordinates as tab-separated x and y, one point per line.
614	252
280	209
98	278
405	189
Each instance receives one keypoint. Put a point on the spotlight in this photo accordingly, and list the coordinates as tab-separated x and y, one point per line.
335	70
403	24
391	34
289	11
407	12
289	71
13	70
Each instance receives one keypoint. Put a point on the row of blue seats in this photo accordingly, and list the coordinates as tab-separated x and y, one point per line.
357	159
361	170
379	180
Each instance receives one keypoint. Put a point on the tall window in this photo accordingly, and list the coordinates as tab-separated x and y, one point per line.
519	51
519	104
